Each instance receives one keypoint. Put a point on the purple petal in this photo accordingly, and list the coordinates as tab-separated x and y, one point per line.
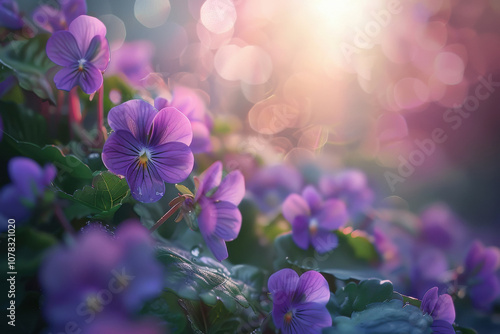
217	246
282	284
313	198
62	49
49	173
145	183
333	215
490	261
300	231
228	220
120	152
174	161
484	292
84	28
310	318
312	288
73	8
49	18
207	219
445	310
98	52
209	179
171	125
324	241
231	189
442	327
294	206
160	103
429	301
9	15
25	174
11	204
67	78
135	116
90	79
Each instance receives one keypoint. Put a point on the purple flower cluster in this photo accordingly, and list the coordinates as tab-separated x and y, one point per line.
29	182
217	199
148	147
100	279
314	219
299	303
82	51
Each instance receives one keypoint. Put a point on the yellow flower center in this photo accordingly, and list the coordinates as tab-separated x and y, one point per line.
313	227
93	303
288	317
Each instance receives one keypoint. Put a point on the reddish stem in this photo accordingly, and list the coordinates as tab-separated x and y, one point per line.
74	114
165	217
101	130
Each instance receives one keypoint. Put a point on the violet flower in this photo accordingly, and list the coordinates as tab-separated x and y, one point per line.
122	325
350	186
29	182
9	15
216	202
58	18
441	228
299	304
313	219
190	104
441	309
100	276
270	186
83	51
148	147
480	277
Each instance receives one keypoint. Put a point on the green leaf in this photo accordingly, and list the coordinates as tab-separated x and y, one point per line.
29	62
210	320
349	260
463	330
356	297
105	195
23	124
167	307
391	317
183	189
203	279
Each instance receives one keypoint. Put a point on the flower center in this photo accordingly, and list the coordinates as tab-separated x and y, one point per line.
313	226
93	303
288	317
81	62
144	157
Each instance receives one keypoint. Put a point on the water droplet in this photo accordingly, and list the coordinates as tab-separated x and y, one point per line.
196	250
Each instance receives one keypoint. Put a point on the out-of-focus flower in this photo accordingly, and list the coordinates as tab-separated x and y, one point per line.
351	186
122	325
270	186
29	182
428	268
133	60
148	147
313	219
440	227
60	17
299	304
100	276
83	51
190	104
480	275
219	218
441	309
9	15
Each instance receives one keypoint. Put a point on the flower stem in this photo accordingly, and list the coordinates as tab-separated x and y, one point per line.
165	217
74	113
101	130
62	219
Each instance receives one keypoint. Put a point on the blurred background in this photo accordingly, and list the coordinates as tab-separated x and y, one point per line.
407	91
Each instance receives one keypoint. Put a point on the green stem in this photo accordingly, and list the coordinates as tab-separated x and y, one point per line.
165	217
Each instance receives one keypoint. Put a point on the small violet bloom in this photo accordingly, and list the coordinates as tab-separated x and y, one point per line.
270	186
9	15
350	186
29	182
58	18
299	304
441	309
83	51
219	218
441	228
480	275
148	147
313	219
100	276
190	104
